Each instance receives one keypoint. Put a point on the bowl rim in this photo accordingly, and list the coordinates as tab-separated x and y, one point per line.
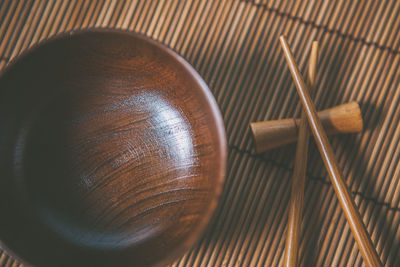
210	213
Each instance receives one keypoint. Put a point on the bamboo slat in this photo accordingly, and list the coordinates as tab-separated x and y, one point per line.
234	46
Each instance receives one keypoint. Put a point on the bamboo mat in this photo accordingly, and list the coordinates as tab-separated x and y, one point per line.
234	46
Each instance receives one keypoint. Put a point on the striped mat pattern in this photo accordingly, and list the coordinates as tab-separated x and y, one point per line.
234	46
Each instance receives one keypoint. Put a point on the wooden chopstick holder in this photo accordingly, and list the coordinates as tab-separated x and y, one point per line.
341	119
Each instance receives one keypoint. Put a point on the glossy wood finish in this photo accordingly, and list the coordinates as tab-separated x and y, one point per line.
293	232
113	152
341	119
234	46
353	217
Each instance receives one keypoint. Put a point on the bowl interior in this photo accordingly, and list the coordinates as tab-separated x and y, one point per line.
112	152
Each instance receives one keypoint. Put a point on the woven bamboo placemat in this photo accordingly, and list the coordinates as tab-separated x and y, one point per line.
234	46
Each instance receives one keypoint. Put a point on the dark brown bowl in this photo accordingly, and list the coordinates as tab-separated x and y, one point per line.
112	152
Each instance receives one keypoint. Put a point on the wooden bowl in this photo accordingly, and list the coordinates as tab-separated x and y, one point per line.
113	152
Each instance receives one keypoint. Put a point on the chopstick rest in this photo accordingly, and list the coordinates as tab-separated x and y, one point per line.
345	118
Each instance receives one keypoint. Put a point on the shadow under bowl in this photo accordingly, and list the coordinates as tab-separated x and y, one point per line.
112	152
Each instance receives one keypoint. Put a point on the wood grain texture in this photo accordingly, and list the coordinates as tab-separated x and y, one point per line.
233	44
345	118
353	216
113	152
296	202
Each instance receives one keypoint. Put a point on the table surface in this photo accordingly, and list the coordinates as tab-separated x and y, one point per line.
234	46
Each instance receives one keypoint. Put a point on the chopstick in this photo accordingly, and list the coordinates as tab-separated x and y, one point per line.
299	175
357	226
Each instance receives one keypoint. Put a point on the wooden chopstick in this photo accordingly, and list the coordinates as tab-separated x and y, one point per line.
357	226
299	175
